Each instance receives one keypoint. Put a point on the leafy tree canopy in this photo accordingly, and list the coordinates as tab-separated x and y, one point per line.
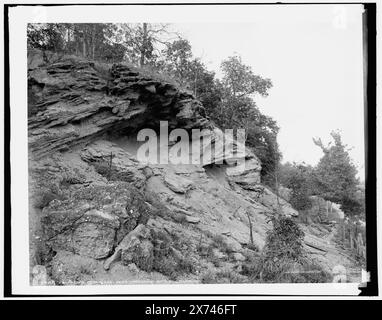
335	175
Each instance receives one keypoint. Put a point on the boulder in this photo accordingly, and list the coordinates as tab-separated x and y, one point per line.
88	224
177	183
134	248
140	253
123	167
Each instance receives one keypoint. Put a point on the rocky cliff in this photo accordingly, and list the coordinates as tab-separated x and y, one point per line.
99	215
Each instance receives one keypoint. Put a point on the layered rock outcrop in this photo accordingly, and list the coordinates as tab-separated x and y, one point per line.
105	215
72	101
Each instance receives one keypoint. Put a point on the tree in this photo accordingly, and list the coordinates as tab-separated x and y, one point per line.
143	40
229	103
177	61
297	177
45	36
90	40
240	80
335	175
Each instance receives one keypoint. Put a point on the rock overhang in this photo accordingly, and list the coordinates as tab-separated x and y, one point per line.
75	101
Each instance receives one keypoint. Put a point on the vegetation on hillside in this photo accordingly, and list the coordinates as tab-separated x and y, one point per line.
283	258
229	101
334	178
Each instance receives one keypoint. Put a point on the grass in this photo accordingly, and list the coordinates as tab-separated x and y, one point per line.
283	259
222	276
74	177
218	242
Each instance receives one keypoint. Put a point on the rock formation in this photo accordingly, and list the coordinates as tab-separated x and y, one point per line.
99	214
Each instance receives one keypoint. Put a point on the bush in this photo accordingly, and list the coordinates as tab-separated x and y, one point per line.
165	260
285	240
283	259
218	242
283	249
299	179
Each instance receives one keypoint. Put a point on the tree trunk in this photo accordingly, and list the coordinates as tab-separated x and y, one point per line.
93	41
250	227
144	45
84	41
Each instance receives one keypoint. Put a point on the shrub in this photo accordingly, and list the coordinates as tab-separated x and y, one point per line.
185	265
165	261
219	243
251	264
283	258
283	249
284	240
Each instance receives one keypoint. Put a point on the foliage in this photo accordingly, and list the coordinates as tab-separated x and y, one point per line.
298	178
142	41
165	260
351	234
90	40
335	175
228	102
283	248
240	80
284	239
222	276
236	109
45	36
218	242
283	258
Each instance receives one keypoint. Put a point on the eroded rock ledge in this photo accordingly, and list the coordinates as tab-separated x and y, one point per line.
103	212
71	100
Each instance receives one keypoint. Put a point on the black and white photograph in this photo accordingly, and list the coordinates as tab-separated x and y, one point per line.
208	148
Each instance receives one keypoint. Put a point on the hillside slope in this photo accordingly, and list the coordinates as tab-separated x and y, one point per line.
99	215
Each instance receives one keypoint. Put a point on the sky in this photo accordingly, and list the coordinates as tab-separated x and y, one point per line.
313	55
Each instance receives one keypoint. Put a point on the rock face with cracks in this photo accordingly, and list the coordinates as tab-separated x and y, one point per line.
99	215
